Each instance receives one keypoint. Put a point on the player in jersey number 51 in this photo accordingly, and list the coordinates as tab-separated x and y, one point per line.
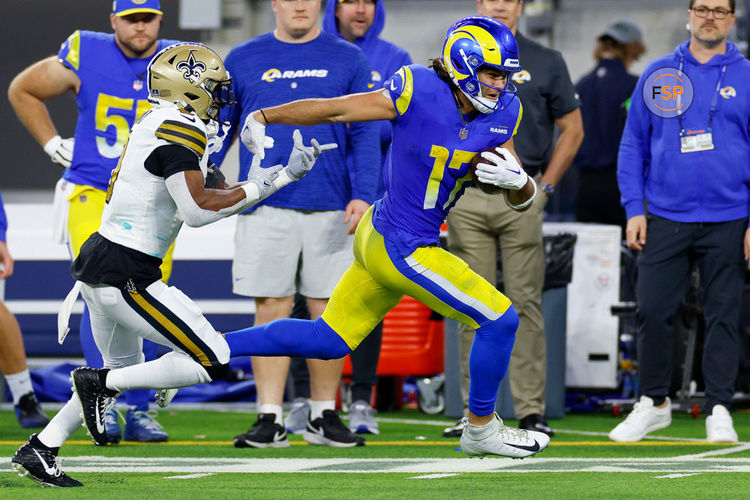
442	116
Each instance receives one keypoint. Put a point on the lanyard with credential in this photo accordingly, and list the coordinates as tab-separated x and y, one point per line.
714	100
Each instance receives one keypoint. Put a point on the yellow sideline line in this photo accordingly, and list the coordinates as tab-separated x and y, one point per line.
403	443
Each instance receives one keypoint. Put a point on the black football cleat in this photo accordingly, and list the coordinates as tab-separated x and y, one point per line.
95	401
29	412
41	464
536	423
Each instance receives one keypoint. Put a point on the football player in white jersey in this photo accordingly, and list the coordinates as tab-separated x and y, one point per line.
159	183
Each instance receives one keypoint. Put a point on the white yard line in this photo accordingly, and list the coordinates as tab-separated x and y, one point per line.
192	476
675	476
716	453
433	476
188	467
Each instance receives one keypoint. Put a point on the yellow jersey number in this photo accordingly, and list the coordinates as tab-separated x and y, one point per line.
104	117
454	160
115	172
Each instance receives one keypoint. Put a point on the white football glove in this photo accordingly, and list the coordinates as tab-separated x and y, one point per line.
303	157
501	169
60	150
254	137
263	177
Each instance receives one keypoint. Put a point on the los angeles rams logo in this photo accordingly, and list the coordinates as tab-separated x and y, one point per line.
521	76
728	92
271	75
191	68
274	74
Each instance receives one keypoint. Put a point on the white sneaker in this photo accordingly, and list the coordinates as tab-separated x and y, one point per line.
494	438
719	428
643	419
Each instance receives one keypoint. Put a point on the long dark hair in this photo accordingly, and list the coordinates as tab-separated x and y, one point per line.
437	65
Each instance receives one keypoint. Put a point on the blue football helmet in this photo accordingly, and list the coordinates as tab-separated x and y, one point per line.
474	42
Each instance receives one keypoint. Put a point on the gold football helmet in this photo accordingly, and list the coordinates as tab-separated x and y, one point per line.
192	75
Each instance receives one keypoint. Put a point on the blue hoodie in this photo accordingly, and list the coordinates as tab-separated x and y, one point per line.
384	57
705	186
3	220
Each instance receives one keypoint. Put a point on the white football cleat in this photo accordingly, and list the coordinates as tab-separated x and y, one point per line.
164	397
719	427
643	419
494	438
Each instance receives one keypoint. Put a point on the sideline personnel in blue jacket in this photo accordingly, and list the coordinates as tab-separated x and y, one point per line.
684	183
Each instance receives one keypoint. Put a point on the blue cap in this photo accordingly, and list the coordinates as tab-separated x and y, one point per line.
126	7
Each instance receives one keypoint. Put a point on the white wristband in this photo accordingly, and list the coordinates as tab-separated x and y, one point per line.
51	147
251	192
525	203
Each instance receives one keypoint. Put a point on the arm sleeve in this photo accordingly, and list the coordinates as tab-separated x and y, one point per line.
166	161
364	138
400	89
3	220
563	97
635	154
195	216
70	52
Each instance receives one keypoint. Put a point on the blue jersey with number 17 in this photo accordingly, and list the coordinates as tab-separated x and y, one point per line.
428	163
111	97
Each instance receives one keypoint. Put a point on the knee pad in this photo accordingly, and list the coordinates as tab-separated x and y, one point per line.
507	324
329	343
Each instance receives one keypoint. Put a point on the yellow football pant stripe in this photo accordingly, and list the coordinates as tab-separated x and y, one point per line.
170	327
372	286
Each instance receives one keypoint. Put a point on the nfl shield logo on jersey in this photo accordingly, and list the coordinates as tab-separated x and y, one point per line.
137	85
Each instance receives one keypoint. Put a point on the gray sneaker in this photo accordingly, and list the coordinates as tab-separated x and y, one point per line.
362	418
299	413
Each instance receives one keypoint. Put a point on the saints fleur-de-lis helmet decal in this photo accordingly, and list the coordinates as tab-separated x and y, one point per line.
193	76
191	68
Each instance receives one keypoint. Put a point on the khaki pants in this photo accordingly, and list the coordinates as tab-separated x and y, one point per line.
478	226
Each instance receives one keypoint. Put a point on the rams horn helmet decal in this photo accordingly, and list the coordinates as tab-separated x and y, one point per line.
476	42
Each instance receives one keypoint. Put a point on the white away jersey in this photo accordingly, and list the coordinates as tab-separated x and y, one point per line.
139	211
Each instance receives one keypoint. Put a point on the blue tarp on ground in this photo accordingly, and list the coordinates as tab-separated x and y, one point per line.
52	383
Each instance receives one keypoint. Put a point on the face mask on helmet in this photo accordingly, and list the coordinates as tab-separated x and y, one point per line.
476	43
194	76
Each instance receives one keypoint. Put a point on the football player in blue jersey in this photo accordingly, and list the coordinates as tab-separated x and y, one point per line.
106	72
442	116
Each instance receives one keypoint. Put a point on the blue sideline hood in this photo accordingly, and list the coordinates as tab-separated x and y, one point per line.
705	186
368	42
385	59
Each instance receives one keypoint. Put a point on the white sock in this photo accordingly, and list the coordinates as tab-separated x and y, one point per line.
20	384
318	407
275	409
62	425
172	370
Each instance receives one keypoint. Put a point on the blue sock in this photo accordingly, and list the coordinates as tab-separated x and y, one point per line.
289	337
490	356
90	351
